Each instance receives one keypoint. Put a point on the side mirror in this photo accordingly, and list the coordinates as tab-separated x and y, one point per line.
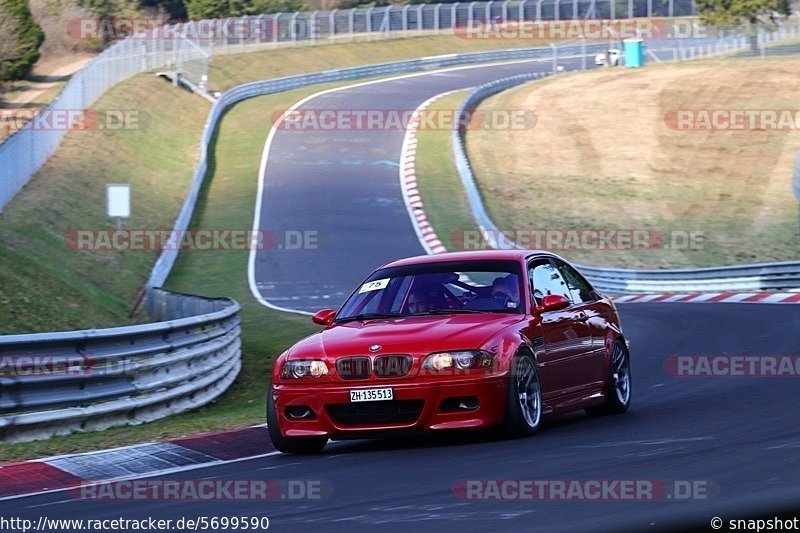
324	317
553	302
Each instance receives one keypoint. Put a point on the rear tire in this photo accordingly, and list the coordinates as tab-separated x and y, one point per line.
618	386
524	397
297	445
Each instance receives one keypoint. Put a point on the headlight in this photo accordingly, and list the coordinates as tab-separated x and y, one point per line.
462	360
302	369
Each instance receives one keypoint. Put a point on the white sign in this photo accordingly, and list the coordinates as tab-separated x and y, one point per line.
376	285
118	197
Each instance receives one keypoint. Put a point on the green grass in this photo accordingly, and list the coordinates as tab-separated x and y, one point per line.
47	285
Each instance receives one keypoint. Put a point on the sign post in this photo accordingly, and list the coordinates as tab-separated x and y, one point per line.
118	201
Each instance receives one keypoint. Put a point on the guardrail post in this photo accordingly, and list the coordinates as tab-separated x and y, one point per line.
453	15
630	9
671	8
555	57
505	11
487	11
332	23
470	14
575	14
420	25
539	9
557	7
437	20
404	16
351	23
612	9
369	19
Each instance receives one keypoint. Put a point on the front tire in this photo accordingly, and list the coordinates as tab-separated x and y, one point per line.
524	398
297	445
618	386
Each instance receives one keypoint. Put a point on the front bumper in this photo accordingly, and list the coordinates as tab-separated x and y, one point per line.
329	400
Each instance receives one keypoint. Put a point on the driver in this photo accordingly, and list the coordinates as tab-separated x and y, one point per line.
418	302
507	290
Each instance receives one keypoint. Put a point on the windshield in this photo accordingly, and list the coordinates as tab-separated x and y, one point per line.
438	288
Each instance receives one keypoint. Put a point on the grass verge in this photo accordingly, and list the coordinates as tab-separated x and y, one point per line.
609	161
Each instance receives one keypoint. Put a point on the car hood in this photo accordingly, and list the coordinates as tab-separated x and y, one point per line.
411	335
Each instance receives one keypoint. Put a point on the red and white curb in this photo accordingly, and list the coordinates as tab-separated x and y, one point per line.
132	462
714	297
408	182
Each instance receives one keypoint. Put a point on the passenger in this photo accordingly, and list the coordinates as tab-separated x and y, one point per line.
506	290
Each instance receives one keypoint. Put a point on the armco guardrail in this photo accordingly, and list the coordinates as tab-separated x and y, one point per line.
57	383
186	48
755	277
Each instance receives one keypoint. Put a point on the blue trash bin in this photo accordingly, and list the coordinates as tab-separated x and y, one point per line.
634	52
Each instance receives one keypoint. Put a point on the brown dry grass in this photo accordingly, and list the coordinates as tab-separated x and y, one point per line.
601	156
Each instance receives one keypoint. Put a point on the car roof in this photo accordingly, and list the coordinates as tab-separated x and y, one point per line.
477	255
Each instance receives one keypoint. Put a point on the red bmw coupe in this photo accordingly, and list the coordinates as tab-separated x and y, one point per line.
452	341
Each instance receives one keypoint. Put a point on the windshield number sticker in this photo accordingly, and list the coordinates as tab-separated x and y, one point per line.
376	285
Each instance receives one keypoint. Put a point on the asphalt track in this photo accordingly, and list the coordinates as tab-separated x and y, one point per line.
739	433
344	186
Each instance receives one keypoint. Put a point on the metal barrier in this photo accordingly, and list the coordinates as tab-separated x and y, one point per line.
58	383
754	277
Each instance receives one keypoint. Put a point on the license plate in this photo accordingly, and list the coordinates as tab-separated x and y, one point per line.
370	395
